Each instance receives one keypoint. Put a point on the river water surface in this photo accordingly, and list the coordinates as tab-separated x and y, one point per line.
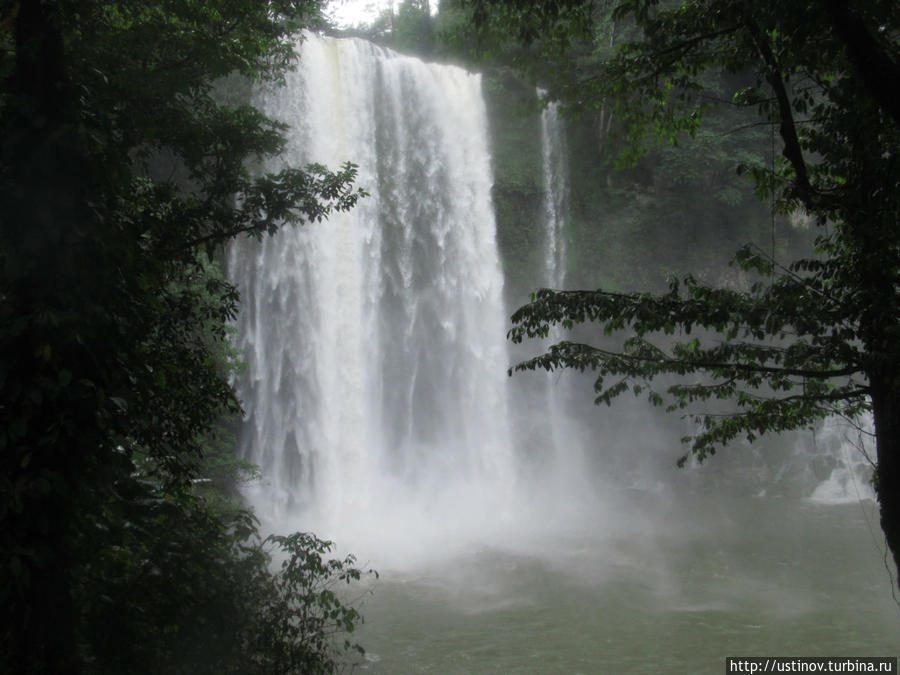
737	577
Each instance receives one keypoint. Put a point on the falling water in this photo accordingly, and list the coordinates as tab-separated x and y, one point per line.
566	468
554	152
375	388
842	461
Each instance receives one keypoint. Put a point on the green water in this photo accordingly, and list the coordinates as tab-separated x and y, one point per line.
712	578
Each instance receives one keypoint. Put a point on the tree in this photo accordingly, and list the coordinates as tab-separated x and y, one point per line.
406	27
109	320
814	337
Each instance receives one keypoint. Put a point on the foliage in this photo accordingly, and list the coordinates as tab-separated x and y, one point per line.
412	28
230	614
407	28
119	171
750	366
304	613
812	338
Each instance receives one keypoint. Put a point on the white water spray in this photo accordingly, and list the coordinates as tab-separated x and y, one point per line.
843	461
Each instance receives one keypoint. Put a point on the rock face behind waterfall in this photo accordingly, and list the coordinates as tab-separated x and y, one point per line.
375	341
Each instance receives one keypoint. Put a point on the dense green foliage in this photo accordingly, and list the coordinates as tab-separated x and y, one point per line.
812	337
120	169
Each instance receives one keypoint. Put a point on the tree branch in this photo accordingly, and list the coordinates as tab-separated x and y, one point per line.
691	365
793	152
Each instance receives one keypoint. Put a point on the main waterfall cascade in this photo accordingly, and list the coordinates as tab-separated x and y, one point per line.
376	390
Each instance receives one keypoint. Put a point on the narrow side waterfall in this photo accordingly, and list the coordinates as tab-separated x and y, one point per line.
567	463
375	388
554	153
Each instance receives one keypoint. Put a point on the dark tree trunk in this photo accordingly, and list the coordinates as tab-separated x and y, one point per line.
871	62
886	407
43	197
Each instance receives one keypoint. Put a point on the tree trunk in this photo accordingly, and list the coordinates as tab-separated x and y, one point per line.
886	408
43	199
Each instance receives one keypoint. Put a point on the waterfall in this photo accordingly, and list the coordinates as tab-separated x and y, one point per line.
554	153
554	158
565	468
375	387
841	461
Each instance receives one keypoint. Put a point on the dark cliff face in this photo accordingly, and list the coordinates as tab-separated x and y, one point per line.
518	190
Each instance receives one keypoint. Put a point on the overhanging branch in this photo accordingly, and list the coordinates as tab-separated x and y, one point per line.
792	151
665	363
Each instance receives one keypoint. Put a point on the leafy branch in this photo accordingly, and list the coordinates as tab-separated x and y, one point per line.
744	365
